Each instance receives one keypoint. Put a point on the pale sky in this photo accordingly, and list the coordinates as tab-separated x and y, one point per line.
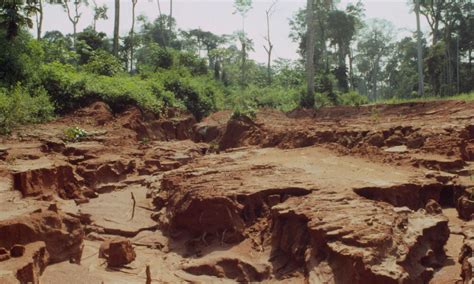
217	16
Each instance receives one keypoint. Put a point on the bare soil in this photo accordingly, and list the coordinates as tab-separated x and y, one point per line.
371	194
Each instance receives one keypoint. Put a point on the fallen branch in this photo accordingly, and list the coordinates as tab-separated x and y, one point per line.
134	203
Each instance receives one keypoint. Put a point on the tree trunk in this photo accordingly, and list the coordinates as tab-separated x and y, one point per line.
421	89
243	63
116	28
132	34
269	49
351	71
39	20
170	22
309	101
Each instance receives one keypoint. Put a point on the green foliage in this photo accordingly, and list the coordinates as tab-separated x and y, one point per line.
196	65
152	57
352	98
103	63
20	59
260	97
200	95
57	47
70	90
20	106
321	100
73	134
244	111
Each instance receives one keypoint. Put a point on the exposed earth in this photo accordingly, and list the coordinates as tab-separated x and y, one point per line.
370	194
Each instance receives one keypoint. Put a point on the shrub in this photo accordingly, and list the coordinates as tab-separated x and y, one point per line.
73	134
244	110
20	59
321	100
199	95
196	65
272	97
19	106
70	90
103	63
352	98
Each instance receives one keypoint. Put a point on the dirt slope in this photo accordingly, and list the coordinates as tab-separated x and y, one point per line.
372	194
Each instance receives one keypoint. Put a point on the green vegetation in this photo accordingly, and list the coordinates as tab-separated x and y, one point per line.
461	97
73	134
18	105
354	61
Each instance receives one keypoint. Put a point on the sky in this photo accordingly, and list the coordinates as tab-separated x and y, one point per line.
217	16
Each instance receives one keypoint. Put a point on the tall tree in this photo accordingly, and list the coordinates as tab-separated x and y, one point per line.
132	34
242	7
170	26
73	14
421	88
269	48
308	100
373	47
100	13
341	32
116	28
14	15
433	12
38	17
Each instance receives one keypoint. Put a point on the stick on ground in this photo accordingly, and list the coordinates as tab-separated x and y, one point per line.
134	203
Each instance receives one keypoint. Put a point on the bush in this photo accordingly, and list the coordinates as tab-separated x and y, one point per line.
73	134
19	106
244	111
70	90
352	98
272	97
103	63
20	60
200	95
321	100
196	65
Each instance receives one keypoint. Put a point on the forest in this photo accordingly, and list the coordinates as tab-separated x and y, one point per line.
345	59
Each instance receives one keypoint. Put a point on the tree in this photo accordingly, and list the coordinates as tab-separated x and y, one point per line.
268	13
341	32
158	32
374	45
242	7
75	15
132	34
116	28
15	15
421	87
433	12
308	100
401	70
100	13
88	41
38	17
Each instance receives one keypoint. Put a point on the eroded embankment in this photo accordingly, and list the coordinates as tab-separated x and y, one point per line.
319	227
369	203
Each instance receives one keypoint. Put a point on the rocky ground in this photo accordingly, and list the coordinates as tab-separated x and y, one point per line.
374	194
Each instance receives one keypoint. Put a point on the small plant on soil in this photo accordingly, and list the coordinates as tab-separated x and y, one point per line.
73	134
247	111
145	141
375	115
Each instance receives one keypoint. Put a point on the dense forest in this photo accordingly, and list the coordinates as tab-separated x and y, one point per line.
344	59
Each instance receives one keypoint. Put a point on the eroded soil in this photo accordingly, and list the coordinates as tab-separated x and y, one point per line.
374	194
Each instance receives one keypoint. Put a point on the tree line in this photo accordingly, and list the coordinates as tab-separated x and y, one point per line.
344	57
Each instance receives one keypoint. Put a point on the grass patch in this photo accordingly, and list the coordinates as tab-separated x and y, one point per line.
461	97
